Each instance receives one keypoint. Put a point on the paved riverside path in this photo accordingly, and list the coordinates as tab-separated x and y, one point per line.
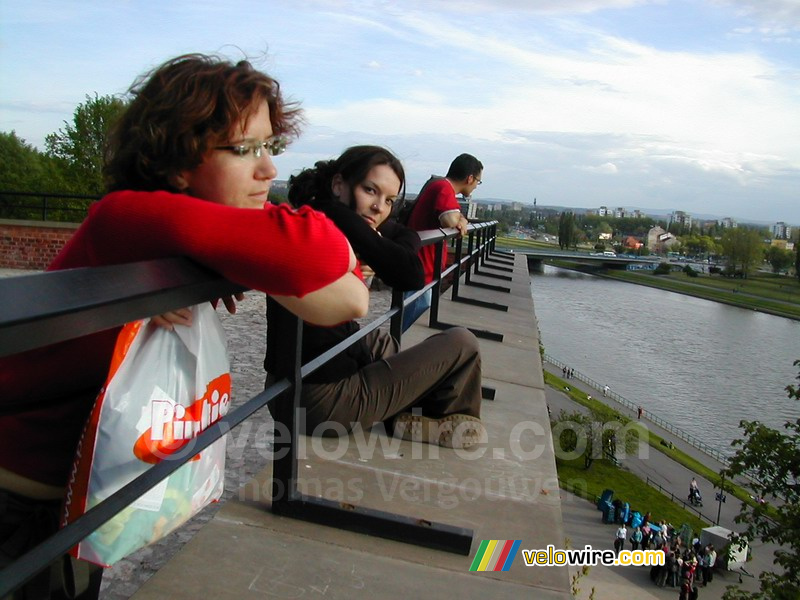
506	489
582	520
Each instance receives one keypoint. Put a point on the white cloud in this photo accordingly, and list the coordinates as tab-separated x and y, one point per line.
604	169
471	7
781	14
733	101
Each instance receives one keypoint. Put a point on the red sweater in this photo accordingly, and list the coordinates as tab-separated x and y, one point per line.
275	250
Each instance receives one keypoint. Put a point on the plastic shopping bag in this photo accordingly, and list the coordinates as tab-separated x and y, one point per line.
163	389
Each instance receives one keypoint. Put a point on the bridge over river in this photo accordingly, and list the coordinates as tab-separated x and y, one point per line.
537	257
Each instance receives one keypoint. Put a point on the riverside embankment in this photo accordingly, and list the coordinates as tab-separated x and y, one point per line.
582	521
701	365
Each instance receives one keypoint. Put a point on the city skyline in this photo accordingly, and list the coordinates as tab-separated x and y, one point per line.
688	105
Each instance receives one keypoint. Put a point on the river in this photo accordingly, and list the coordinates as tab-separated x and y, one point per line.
701	365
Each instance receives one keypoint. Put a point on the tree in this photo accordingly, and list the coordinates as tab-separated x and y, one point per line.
24	169
663	268
797	260
779	258
772	459
80	145
594	435
698	245
743	248
566	230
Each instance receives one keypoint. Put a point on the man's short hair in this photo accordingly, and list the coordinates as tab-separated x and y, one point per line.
463	166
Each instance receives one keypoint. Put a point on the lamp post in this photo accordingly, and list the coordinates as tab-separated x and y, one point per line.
720	497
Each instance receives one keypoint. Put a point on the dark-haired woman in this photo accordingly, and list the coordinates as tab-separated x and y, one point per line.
431	390
189	169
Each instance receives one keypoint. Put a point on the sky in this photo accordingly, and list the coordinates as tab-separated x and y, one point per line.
660	105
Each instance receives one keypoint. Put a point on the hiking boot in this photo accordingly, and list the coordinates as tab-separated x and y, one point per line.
451	431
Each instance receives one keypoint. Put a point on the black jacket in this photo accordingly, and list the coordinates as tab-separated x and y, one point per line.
393	257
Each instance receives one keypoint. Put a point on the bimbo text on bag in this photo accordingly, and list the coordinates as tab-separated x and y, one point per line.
163	389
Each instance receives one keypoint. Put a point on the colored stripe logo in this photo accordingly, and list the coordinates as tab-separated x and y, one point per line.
495	555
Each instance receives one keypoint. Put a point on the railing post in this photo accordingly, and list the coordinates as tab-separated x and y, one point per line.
433	317
473	246
457	261
284	444
396	325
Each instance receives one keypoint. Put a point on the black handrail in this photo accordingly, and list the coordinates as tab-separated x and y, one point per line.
38	312
44	206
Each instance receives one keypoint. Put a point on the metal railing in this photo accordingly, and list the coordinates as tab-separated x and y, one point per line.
682	502
39	206
687	437
38	312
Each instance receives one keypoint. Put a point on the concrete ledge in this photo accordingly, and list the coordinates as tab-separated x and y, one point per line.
507	489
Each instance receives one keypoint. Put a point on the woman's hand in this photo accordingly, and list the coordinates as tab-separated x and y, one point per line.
367	271
183	316
230	302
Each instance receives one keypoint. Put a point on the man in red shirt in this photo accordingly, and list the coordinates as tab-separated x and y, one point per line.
437	207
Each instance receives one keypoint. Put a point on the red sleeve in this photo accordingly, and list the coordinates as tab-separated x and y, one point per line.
276	250
445	198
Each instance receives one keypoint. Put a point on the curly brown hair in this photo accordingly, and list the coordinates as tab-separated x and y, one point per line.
183	108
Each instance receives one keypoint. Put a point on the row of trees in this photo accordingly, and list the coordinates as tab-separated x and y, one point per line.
72	160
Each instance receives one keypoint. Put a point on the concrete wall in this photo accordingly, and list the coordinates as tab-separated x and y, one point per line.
32	244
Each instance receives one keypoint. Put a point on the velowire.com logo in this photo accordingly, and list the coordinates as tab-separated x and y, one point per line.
495	555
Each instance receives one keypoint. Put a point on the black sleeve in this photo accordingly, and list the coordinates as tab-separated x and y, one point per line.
392	254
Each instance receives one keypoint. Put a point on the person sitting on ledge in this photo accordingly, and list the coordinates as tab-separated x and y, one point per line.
431	390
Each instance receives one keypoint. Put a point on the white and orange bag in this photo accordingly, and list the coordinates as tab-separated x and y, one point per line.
163	389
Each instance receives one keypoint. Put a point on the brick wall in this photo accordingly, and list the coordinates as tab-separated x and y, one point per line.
32	244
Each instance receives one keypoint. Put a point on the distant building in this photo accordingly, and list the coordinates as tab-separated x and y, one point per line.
728	223
637	214
681	218
602	211
619	213
468	207
652	236
779	243
658	240
667	241
781	231
604	236
632	243
516	206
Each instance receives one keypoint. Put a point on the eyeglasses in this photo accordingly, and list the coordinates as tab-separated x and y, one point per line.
274	146
479	181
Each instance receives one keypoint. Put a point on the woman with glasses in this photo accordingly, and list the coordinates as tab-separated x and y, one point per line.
189	170
431	391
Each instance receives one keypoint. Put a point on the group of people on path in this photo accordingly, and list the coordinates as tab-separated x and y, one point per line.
685	567
189	167
688	569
